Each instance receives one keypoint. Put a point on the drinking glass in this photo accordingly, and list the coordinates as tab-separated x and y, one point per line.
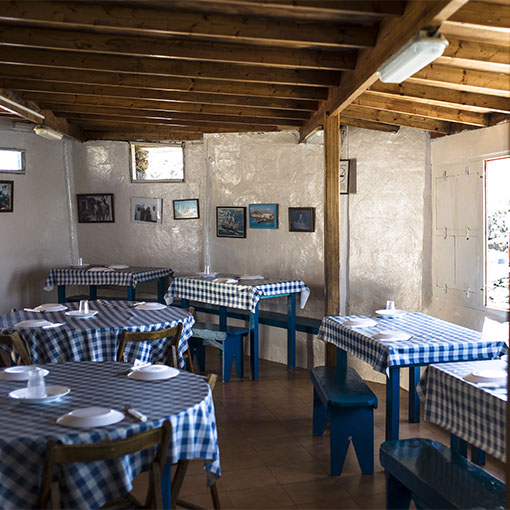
36	386
84	306
390	305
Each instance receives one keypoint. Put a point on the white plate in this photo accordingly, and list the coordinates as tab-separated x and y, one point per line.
150	306
207	275
488	375
53	392
251	277
388	314
91	417
80	315
154	373
117	266
36	323
226	280
20	373
388	334
360	323
52	307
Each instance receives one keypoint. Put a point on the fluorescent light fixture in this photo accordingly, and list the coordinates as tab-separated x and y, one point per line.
421	51
47	132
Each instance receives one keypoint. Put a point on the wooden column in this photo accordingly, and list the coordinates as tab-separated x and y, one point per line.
332	222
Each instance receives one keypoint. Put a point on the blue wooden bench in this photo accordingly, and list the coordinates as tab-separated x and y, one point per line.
342	397
434	476
227	338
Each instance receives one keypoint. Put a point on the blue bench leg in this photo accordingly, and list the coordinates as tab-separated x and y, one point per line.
161	289
254	343
131	294
197	350
228	357
477	456
320	416
398	496
61	293
392	403
92	292
340	430
458	445
291	332
239	355
414	401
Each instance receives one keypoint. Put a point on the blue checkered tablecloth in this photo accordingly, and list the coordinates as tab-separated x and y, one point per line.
96	339
433	341
234	295
472	413
185	400
129	277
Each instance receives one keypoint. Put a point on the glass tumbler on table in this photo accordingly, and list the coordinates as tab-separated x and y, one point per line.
36	386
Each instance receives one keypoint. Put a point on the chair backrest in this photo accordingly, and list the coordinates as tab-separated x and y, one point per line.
172	334
19	353
58	453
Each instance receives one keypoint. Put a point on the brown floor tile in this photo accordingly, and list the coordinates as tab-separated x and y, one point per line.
271	497
301	472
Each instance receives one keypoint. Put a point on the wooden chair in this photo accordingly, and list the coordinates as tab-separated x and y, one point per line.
59	453
19	354
173	335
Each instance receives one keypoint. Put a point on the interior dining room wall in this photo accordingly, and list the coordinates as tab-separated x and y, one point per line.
37	234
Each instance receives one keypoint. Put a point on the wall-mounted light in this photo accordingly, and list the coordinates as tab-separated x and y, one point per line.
421	51
47	132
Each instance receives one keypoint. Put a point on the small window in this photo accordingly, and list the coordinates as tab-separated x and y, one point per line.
12	161
497	221
157	163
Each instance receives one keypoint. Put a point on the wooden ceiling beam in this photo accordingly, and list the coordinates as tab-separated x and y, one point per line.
483	14
394	34
115	44
367	124
482	103
143	136
170	68
136	19
371	100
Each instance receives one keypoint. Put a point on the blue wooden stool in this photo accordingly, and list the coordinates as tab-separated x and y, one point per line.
434	476
345	399
227	338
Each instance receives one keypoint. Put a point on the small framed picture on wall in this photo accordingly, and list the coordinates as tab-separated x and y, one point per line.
186	209
263	215
146	210
302	219
95	208
344	176
231	222
6	196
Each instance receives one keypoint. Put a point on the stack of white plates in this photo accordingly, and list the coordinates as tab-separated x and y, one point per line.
20	373
226	280
88	417
390	314
360	322
117	266
489	375
76	314
150	306
51	307
53	392
153	373
251	277
388	334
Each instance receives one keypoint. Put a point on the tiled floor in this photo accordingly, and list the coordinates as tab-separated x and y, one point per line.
270	459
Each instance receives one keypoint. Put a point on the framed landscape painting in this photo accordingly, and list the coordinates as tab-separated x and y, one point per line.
302	219
186	209
231	222
263	215
95	208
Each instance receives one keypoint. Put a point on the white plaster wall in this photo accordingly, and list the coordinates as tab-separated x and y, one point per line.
36	236
103	167
271	168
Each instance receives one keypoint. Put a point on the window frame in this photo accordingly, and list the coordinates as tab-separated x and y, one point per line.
132	164
23	161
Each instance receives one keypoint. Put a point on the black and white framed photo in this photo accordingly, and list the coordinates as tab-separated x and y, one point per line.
146	210
344	176
95	208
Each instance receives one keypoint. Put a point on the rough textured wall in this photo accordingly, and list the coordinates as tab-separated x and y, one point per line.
103	167
271	168
36	235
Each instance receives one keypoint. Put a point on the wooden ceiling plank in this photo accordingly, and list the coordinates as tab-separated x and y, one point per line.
367	124
393	35
167	67
442	96
177	22
35	37
144	136
370	100
483	14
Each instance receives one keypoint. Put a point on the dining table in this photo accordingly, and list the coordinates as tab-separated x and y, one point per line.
71	338
431	340
185	400
244	293
113	274
469	409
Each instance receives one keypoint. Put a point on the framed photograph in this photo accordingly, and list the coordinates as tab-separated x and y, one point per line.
263	215
344	176
302	219
6	196
146	210
95	208
231	222
186	209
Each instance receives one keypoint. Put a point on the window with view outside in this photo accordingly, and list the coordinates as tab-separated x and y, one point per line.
12	160
497	218
157	163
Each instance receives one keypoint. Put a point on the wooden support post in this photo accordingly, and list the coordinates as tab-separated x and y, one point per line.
332	222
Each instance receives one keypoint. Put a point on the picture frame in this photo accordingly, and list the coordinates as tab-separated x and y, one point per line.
231	222
146	210
345	165
301	219
95	208
6	196
263	216
186	209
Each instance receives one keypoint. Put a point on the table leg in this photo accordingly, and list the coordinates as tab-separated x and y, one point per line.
166	482
254	343
458	445
477	456
161	289
392	403
185	303
223	316
61	293
291	331
414	401
92	292
131	294
341	360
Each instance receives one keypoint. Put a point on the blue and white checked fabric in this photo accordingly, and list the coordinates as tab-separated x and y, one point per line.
97	339
185	400
433	341
130	277
475	414
234	295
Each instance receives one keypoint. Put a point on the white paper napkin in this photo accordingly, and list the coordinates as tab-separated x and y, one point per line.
54	325
99	269
304	297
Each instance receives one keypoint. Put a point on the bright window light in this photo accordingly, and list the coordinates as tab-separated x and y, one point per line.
162	163
12	161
